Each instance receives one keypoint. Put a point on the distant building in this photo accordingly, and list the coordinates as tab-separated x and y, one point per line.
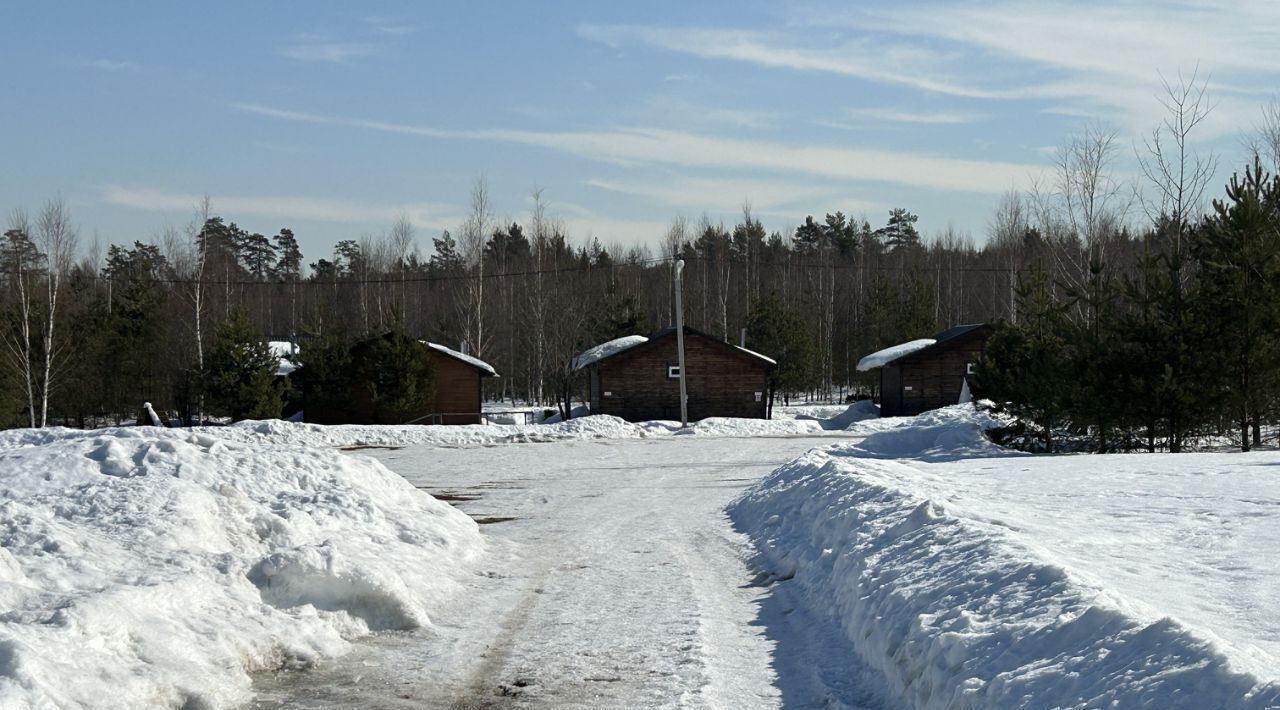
929	373
457	397
638	378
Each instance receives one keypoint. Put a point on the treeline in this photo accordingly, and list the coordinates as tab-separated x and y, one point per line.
1182	344
1127	293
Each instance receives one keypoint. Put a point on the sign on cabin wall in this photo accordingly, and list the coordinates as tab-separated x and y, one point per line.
759	396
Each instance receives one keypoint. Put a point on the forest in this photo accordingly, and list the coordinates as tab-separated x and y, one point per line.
1134	312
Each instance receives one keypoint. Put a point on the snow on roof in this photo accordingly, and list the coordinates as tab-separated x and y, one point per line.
476	362
766	358
593	355
288	353
888	355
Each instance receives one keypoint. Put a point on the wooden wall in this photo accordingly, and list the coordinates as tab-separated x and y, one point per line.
720	380
931	378
457	390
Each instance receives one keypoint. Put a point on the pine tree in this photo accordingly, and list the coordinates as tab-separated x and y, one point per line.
900	231
324	376
397	376
1238	294
780	333
240	372
1027	369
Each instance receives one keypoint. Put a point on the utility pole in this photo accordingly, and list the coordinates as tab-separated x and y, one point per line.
684	398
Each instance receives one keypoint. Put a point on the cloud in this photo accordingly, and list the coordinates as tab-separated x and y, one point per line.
931	118
112	65
331	52
860	57
680	77
726	196
320	209
1091	59
389	26
1101	59
685	112
652	146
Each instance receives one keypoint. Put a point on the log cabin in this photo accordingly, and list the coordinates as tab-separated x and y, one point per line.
928	373
638	378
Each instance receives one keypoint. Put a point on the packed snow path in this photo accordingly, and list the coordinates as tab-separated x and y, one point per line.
614	579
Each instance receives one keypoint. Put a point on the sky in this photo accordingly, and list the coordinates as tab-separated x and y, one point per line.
334	118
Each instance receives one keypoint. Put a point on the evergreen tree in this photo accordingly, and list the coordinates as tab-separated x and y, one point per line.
780	333
900	231
397	377
1238	294
446	260
1026	369
324	376
239	380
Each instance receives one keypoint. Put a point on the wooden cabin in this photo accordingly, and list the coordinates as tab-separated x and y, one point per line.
457	391
926	374
638	378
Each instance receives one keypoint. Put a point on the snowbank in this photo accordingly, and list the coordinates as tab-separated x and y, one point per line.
880	358
590	356
156	567
962	610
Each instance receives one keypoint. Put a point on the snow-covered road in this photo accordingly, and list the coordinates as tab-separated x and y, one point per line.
613	579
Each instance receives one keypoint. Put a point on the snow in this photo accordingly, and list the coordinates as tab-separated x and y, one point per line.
617	582
476	362
288	354
152	418
972	577
158	567
880	358
753	353
590	356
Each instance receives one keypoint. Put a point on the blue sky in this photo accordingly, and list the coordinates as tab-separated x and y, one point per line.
333	118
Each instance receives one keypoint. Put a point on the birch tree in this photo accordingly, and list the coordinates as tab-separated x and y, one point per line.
56	237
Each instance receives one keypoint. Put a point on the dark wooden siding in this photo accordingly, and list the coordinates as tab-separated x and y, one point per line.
457	390
931	378
721	382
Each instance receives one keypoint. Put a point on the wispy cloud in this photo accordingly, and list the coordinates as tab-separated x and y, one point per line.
858	57
1095	59
728	195
390	26
651	146
331	52
112	64
888	115
1091	58
687	112
320	209
679	77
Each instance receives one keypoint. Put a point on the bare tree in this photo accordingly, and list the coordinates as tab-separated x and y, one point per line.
672	245
1176	173
1082	208
1008	229
401	244
57	238
471	241
1264	142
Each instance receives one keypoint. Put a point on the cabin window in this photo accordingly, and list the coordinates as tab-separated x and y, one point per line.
673	372
968	368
